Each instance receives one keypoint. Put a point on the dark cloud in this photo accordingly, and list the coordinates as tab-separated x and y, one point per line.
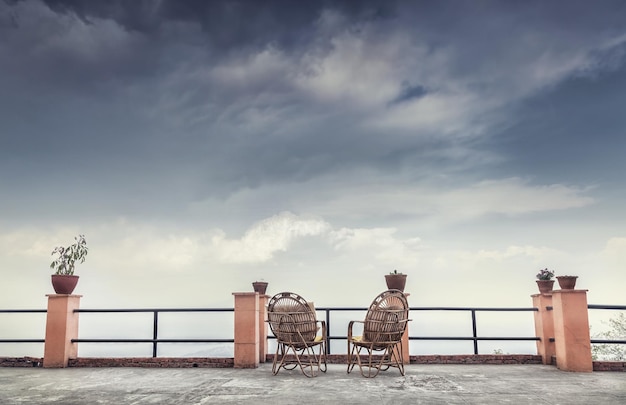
226	24
205	98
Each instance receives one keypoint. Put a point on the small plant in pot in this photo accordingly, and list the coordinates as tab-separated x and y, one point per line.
395	280
259	286
567	282
544	281
63	280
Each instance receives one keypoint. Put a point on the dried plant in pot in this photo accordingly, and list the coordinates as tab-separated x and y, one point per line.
567	282
63	280
544	281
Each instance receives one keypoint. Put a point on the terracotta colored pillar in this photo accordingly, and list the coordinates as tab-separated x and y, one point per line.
406	357
61	328
246	330
571	330
263	327
544	326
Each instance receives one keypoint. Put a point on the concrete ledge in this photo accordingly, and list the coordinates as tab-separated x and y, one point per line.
228	362
21	361
153	362
609	366
449	359
477	359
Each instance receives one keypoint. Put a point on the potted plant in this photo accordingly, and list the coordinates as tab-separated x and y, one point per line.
544	281
63	280
259	286
567	282
395	280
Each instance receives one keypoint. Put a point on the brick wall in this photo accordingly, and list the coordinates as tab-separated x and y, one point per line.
21	361
225	362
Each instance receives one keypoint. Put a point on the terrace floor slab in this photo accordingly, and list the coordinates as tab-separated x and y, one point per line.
422	384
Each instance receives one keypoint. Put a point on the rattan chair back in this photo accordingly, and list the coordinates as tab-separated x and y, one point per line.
386	318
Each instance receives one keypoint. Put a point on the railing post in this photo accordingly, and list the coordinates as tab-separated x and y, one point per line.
246	330
263	327
474	331
61	328
327	314
544	326
571	330
155	332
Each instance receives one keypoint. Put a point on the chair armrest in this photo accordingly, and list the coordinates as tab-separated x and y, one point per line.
323	325
350	328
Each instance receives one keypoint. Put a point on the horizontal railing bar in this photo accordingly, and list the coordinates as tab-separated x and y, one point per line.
435	309
471	309
448	338
341	309
472	338
22	341
593	306
18	311
118	310
153	340
603	341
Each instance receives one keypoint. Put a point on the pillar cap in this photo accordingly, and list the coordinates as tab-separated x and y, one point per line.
569	291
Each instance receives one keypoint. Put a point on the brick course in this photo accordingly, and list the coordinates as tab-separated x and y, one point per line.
228	362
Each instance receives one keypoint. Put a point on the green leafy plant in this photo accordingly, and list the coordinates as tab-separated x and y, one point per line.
67	256
545	274
395	272
611	352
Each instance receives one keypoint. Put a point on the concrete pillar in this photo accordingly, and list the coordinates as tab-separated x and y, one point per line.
571	330
246	330
263	299
61	328
544	326
406	359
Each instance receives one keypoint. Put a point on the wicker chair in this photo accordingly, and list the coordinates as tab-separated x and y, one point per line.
383	327
293	322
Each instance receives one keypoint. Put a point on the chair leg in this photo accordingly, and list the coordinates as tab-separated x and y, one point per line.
398	354
310	362
370	367
353	353
279	353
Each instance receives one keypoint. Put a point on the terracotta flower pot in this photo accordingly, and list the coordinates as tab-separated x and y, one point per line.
567	282
63	283
545	286
395	281
259	286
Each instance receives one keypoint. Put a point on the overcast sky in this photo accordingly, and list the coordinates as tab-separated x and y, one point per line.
317	145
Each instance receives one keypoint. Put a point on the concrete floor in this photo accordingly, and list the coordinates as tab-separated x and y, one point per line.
422	384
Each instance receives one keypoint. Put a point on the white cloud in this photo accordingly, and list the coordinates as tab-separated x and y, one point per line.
512	196
267	237
374	196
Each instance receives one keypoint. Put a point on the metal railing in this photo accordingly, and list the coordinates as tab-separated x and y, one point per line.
23	311
155	327
472	310
613	307
155	340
